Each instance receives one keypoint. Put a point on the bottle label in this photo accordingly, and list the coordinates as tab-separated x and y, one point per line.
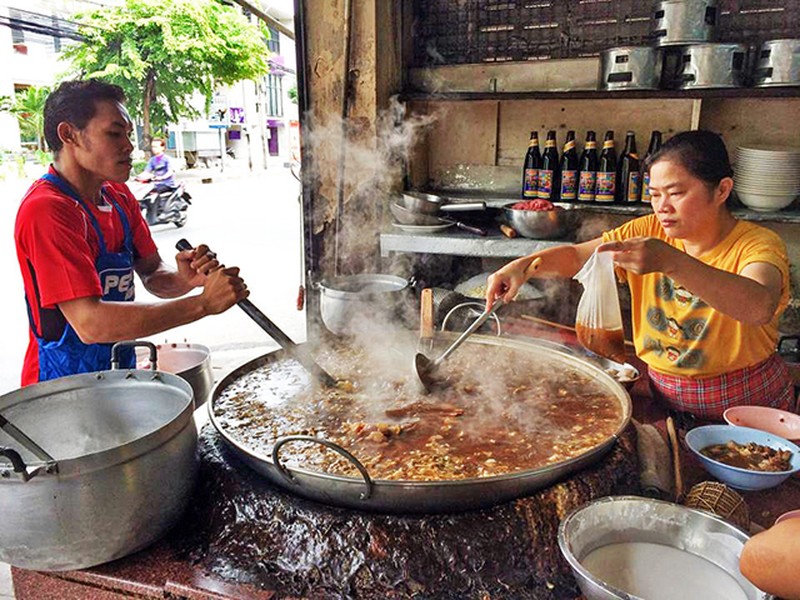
533	143
590	145
606	186
646	187
633	187
545	183
608	144
569	146
550	144
569	181
586	186
531	188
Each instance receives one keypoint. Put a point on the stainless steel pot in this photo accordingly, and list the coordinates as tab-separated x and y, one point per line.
778	63
625	519
123	466
346	299
630	68
365	493
679	22
190	362
713	66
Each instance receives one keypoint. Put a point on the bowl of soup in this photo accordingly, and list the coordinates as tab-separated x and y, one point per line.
742	457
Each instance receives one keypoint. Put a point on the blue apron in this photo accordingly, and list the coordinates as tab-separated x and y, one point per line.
69	355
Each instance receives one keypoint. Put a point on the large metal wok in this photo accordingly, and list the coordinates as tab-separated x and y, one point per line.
121	466
366	493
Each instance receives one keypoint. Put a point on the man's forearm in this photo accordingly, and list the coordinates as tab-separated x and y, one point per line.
166	282
97	321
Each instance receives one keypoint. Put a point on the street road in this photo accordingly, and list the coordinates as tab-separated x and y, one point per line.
251	220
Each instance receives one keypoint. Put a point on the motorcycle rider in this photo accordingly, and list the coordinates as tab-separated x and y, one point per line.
159	170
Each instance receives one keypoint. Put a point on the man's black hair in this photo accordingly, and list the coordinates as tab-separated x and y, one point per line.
75	102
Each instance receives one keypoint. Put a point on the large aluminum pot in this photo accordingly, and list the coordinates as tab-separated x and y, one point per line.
343	300
630	68
679	22
778	63
365	493
713	66
190	362
122	447
635	520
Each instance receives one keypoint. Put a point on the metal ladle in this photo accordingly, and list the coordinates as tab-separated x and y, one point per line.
426	368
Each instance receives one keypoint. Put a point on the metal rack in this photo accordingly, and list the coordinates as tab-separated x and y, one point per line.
447	32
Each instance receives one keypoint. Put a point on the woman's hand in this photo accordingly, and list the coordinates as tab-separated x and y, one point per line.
505	283
195	265
642	255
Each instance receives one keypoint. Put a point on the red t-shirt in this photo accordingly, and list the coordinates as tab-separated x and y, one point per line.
57	248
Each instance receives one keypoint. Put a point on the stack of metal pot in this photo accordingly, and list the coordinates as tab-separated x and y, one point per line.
684	53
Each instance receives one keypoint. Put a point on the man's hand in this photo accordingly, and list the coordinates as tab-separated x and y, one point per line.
642	255
195	265
223	289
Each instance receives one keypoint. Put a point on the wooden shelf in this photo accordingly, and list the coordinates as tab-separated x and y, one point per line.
767	92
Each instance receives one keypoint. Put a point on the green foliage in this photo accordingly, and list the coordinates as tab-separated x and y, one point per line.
28	106
138	167
292	93
162	52
43	158
6	103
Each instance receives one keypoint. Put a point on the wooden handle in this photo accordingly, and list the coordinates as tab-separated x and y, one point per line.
676	458
533	267
426	314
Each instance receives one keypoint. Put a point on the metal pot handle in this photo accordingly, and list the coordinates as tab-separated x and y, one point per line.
366	495
133	344
474	304
20	467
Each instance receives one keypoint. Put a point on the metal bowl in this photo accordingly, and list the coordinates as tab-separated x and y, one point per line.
536	224
419	202
631	519
406	216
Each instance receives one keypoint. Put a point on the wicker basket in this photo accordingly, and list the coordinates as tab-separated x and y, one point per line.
721	500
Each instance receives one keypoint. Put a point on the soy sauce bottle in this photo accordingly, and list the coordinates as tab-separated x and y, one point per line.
655	145
587	179
569	170
628	182
530	170
548	174
607	171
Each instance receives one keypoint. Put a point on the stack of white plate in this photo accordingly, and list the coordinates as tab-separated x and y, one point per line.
767	179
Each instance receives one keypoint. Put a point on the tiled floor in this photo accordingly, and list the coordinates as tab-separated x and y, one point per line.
6	589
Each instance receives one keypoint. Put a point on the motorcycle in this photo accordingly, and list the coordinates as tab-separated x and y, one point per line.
164	206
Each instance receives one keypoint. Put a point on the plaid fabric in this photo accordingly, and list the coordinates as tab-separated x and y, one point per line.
767	383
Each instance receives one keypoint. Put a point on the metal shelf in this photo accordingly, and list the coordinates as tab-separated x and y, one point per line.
766	92
458	243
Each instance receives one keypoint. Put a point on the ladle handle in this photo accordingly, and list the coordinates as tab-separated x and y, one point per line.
470	330
276	334
22	438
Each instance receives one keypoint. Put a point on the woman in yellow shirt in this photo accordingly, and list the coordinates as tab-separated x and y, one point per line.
706	288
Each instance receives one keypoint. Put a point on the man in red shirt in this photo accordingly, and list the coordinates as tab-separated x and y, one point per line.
80	236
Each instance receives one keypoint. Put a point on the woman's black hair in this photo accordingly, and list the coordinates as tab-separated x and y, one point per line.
75	103
702	153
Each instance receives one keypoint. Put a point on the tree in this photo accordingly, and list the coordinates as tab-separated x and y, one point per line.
28	106
162	52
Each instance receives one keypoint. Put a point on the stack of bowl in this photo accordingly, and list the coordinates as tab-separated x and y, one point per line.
767	179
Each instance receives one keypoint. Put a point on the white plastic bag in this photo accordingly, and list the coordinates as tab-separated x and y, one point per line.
599	319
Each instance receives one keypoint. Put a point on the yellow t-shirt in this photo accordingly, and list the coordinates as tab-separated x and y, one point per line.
676	332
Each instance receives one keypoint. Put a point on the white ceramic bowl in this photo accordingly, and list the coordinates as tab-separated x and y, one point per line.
763	202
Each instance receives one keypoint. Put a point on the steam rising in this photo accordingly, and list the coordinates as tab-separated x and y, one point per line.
374	167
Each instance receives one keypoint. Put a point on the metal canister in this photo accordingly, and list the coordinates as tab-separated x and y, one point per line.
713	66
630	68
679	22
778	63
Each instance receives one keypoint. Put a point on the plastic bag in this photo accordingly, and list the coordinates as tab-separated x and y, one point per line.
599	319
